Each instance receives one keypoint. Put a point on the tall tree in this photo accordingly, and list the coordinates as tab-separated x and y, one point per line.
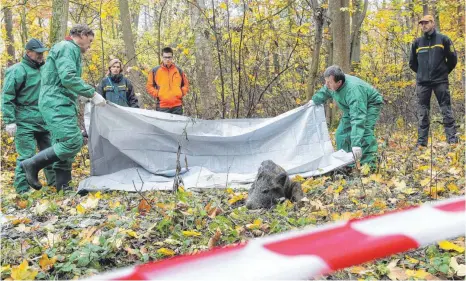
59	20
10	42
318	13
204	65
356	22
127	32
341	33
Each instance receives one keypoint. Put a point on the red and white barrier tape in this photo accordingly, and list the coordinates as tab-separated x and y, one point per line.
307	253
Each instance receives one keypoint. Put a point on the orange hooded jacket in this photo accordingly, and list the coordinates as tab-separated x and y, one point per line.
168	86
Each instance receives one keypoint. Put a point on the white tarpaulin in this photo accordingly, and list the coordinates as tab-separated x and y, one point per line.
127	145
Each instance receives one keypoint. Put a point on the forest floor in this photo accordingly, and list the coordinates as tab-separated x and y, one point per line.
65	236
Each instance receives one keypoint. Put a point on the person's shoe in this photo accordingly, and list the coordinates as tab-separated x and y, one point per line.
62	179
33	165
420	146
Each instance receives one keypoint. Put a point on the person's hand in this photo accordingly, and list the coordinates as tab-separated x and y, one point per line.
11	129
98	100
357	153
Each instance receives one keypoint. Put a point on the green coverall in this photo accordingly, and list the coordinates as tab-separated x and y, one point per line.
20	106
61	85
361	105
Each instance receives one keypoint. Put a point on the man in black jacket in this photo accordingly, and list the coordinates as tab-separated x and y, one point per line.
433	57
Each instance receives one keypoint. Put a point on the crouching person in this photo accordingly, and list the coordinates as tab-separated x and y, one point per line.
61	84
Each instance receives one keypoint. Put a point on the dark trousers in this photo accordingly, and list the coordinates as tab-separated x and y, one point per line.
442	94
173	110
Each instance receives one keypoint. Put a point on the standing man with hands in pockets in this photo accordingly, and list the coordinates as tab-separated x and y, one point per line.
60	88
433	57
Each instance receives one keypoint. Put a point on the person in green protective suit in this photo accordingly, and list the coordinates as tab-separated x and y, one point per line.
361	105
21	111
61	85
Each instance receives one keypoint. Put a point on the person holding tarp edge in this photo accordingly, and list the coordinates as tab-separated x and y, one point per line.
361	104
168	84
61	84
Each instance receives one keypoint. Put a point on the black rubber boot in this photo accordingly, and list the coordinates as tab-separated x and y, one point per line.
33	165
62	178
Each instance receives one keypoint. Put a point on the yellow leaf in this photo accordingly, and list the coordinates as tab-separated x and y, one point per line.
165	252
411	260
223	5
190	233
298	101
376	177
447	245
255	225
131	233
357	269
114	205
339	189
453	187
379	204
21	220
298	178
186	51
230	190
97	195
46	263
237	197
365	169
5	268
409	191
421	274
81	210
425	182
22	272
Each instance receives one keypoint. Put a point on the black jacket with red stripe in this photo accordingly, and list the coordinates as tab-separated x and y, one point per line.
432	57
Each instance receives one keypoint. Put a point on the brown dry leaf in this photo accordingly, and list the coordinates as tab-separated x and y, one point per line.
21	220
396	273
214	212
131	251
46	263
144	206
214	239
22	204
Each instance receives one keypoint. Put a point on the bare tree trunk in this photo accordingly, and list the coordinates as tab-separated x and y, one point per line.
204	64
239	58
10	41
219	52
24	26
341	34
357	20
437	16
329	109
318	13
59	22
135	16
127	33
425	7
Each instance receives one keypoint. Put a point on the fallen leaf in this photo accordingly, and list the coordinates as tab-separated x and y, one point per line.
46	263
190	233
460	269
80	209
421	274
447	245
21	220
144	206
22	204
214	239
165	252
22	272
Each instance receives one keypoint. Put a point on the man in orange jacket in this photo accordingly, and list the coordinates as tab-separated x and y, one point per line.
168	84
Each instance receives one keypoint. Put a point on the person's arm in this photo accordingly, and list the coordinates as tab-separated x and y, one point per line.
321	96
358	112
151	90
68	73
413	57
131	96
450	54
185	88
14	78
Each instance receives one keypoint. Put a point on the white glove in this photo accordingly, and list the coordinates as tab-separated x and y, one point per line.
98	100
311	103
357	153
11	129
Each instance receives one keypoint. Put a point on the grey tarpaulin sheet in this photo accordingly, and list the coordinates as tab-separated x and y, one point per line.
129	144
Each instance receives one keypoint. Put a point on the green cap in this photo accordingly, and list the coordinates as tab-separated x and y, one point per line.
36	46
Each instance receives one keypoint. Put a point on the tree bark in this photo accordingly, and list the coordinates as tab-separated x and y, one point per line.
10	40
127	33
318	13
204	64
425	7
357	20
59	21
341	33
24	26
